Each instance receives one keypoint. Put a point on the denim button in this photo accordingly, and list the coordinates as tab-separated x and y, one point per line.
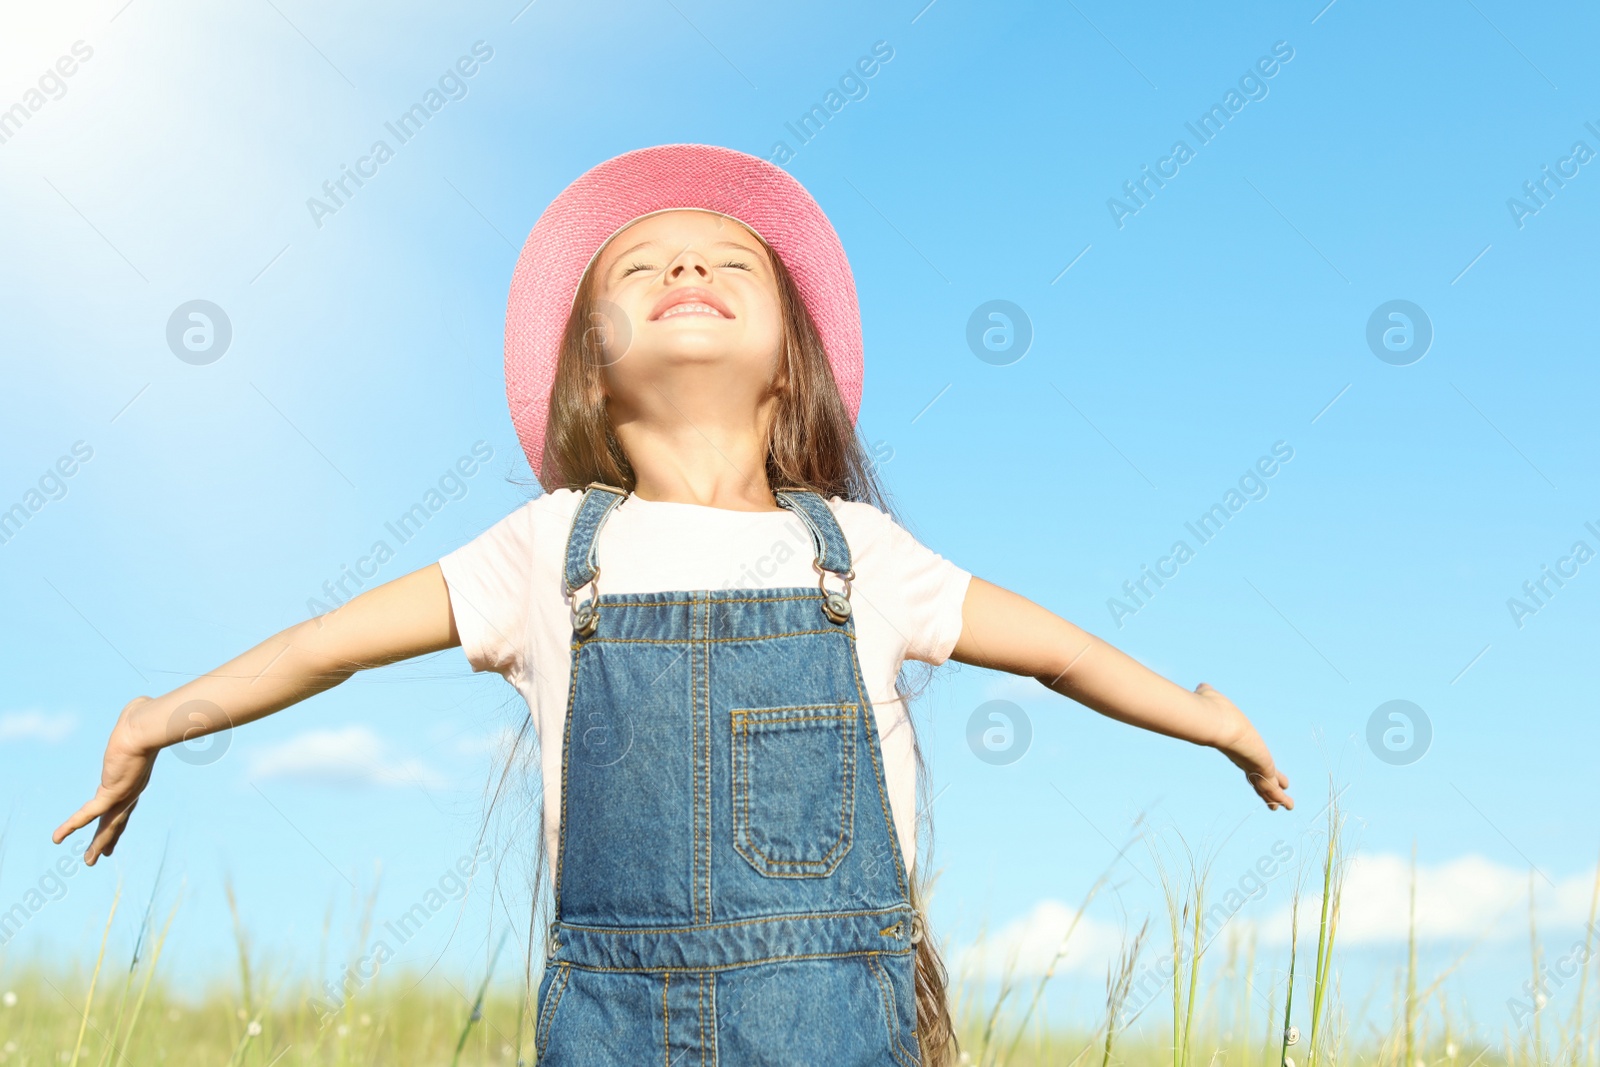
836	607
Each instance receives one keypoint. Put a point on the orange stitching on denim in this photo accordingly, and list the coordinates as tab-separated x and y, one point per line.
711	979
566	743
891	1013
638	600
804	916
803	718
704	707
874	750
566	549
758	712
886	997
847	790
592	535
913	1056
597	640
541	1032
700	705
696	655
622	600
666	1032
706	690
558	986
820	538
596	968
742	720
847	762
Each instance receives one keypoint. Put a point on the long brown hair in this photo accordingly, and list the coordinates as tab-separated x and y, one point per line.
812	444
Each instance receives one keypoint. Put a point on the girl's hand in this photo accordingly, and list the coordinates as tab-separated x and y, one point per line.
1242	744
409	616
123	776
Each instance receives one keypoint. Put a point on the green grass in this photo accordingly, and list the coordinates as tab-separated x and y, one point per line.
1235	1011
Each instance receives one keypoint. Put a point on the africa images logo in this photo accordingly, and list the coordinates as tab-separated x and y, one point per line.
1251	485
451	86
1251	86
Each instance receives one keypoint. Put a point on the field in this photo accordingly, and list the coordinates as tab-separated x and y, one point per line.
1217	1005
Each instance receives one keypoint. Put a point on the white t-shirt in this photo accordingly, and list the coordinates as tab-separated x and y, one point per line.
514	618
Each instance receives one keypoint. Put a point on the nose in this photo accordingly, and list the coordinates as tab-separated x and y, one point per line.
688	262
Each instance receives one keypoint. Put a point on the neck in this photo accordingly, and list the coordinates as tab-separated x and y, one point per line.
699	454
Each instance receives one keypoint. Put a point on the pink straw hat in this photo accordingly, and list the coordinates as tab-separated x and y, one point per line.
760	195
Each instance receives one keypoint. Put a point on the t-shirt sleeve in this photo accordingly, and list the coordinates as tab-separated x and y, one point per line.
489	579
923	594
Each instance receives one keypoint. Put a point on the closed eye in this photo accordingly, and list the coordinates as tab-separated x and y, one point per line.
633	267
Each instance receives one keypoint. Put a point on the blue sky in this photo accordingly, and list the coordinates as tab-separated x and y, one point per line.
1172	347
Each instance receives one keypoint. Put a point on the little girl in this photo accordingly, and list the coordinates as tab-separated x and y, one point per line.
707	612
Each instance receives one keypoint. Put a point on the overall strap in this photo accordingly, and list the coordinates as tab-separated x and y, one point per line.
833	554
596	506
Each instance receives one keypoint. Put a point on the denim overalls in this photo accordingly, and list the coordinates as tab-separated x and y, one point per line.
729	887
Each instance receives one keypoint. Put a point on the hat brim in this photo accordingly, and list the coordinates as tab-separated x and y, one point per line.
613	194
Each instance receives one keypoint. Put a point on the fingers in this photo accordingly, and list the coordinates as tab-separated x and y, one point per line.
113	815
1281	791
109	832
1274	795
1272	789
104	834
96	807
97	842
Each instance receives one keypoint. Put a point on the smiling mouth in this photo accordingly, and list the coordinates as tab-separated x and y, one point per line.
690	308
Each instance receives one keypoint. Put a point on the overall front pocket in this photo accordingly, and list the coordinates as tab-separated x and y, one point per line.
551	986
794	787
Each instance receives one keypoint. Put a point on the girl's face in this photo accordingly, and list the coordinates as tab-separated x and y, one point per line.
685	290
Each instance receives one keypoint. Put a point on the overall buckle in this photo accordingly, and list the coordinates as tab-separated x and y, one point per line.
835	605
586	615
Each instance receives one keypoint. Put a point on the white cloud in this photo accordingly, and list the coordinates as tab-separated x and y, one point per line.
1026	946
353	755
35	726
1464	898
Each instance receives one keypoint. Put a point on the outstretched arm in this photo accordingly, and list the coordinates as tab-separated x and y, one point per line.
407	617
1007	632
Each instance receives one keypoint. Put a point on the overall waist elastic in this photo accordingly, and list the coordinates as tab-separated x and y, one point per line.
737	943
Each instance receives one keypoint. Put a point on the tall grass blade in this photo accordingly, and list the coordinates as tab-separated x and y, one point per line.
94	980
1332	891
1288	995
1055	960
477	1005
1118	984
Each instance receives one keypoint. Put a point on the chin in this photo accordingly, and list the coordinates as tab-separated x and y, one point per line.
708	362
698	348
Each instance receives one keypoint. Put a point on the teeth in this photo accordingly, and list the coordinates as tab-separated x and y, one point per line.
684	309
